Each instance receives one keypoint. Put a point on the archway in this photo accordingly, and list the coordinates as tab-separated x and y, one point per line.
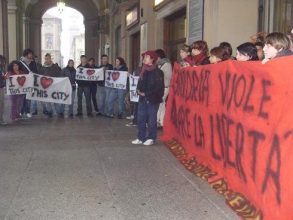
63	35
33	23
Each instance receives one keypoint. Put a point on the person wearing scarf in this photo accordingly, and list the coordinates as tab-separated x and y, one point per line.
199	51
150	89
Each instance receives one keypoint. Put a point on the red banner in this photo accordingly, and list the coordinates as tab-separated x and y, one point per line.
232	124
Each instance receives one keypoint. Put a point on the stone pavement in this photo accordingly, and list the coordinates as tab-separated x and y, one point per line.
83	169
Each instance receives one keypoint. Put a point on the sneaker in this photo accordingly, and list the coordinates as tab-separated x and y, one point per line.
28	115
149	142
131	117
136	142
131	124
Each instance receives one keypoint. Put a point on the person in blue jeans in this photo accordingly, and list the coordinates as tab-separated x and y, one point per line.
70	72
150	89
117	94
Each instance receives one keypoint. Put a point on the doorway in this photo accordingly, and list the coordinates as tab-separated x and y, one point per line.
135	51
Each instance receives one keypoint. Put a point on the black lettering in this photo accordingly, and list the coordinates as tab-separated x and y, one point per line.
213	150
239	150
199	132
247	107
265	98
240	80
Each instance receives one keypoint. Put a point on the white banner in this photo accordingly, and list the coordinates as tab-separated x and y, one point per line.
88	74
133	81
51	89
116	79
19	84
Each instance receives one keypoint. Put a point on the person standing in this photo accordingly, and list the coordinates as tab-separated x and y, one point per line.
165	65
2	88
93	87
15	68
150	89
84	88
117	94
70	72
52	70
28	66
102	90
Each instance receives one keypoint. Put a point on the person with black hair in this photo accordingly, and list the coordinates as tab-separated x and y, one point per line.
165	65
103	92
15	68
2	88
93	87
246	52
28	66
84	88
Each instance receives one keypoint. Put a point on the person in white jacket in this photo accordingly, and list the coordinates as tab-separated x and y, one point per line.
165	65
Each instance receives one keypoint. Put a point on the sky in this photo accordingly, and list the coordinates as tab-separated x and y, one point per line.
71	19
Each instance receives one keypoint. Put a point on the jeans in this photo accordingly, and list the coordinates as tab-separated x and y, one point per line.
93	90
102	99
108	92
135	110
26	107
16	105
70	107
87	93
34	106
59	108
2	92
147	120
116	94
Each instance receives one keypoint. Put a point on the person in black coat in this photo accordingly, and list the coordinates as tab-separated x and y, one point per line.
150	89
93	87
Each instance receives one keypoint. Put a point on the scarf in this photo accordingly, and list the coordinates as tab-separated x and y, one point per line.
147	68
198	59
162	61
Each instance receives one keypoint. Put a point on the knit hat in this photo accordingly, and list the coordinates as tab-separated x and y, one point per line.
152	54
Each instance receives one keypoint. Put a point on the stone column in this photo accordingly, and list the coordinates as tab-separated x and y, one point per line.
35	36
12	30
91	38
3	29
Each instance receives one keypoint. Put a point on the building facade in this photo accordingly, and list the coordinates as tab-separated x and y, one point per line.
127	28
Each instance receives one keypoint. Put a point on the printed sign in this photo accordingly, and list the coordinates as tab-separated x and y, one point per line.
133	81
232	125
19	84
51	89
116	79
88	74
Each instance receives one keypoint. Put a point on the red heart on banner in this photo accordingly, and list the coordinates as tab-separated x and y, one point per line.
46	82
21	80
115	75
90	72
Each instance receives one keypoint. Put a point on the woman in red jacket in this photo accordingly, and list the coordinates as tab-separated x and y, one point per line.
199	52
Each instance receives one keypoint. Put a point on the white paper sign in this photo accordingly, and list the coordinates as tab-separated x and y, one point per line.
88	74
116	79
133	81
51	89
19	84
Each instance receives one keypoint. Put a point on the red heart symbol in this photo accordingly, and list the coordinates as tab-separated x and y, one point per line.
46	82
90	72
115	75
21	80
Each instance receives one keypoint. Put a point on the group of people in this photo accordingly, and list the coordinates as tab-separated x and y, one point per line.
154	73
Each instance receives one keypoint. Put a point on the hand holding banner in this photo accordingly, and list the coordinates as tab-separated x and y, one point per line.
19	84
116	79
88	74
133	81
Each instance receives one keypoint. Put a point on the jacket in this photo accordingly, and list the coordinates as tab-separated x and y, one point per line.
71	74
28	66
51	70
152	85
2	78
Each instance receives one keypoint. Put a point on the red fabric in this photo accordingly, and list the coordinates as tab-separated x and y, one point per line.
234	121
198	59
189	60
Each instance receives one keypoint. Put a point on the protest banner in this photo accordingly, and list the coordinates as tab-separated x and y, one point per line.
231	124
116	79
133	81
88	74
51	89
19	84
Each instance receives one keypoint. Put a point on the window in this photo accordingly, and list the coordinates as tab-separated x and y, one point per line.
49	41
283	15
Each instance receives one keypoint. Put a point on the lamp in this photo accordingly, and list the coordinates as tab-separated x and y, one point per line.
61	5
